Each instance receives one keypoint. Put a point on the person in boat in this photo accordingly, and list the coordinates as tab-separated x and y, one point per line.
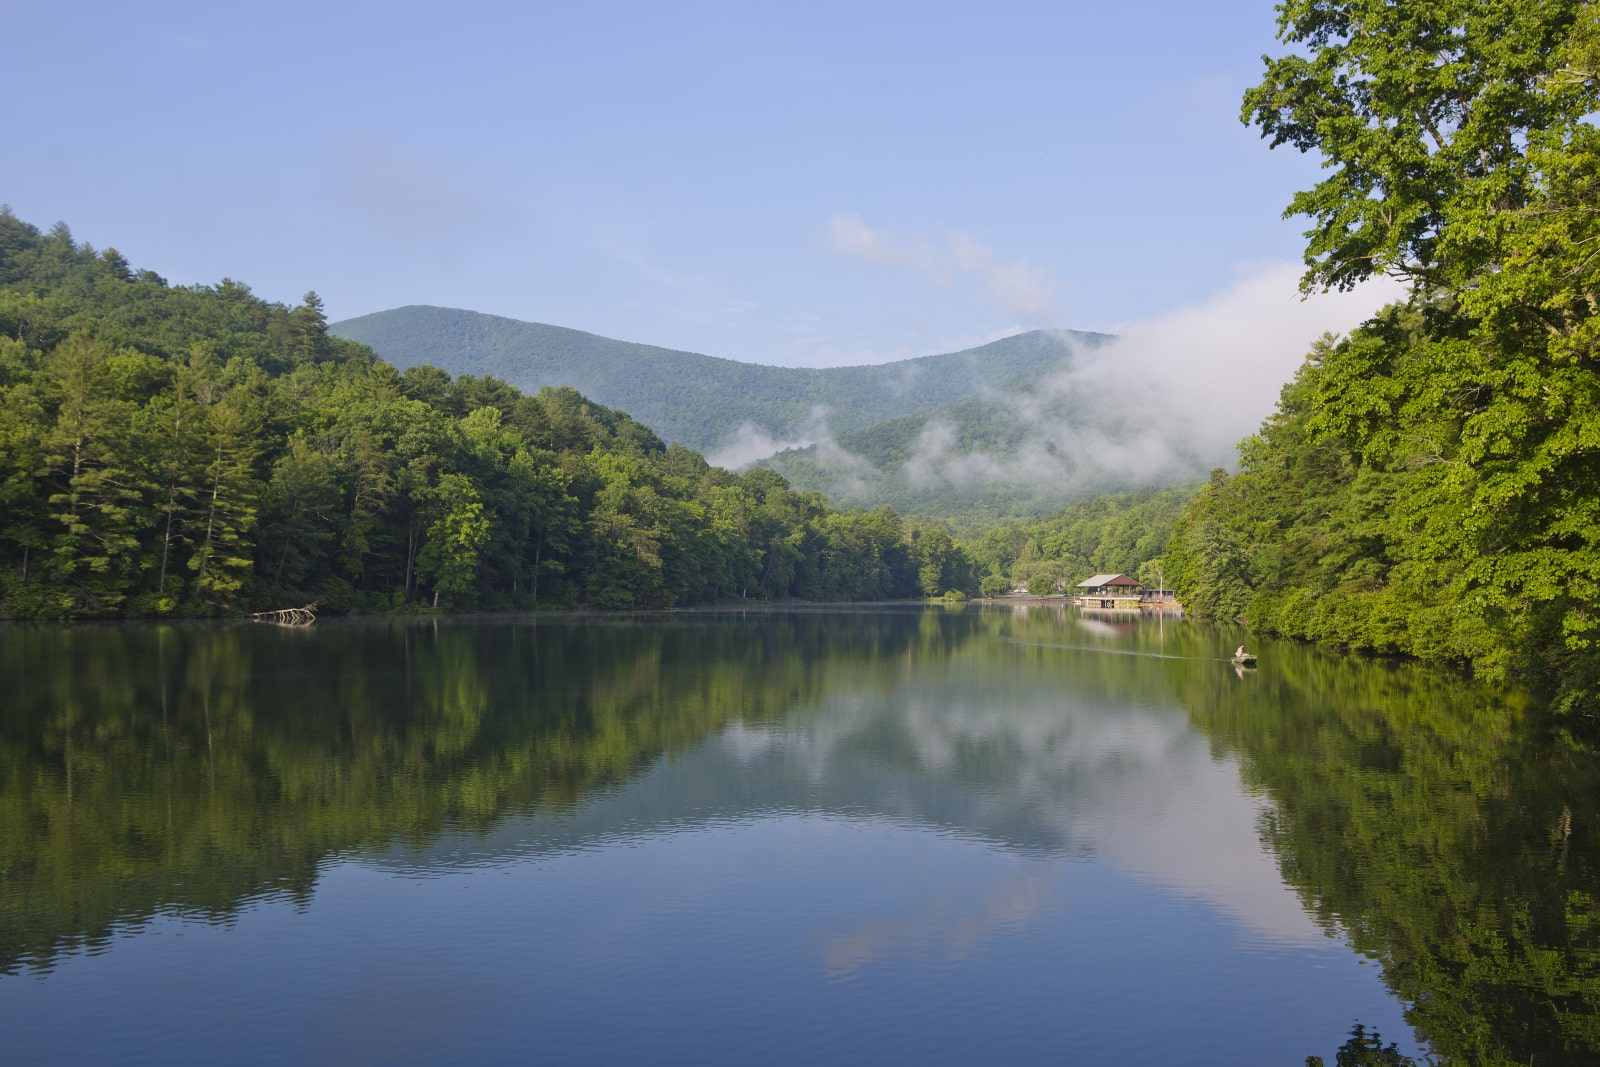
1241	653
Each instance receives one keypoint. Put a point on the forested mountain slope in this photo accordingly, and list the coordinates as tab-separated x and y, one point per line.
989	460
1114	533
701	400
988	434
197	450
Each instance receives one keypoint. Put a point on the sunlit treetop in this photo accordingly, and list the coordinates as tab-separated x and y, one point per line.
1424	113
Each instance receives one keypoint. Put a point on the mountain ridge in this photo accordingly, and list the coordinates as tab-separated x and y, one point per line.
1021	426
699	400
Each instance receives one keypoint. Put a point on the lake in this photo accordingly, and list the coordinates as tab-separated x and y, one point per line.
1000	834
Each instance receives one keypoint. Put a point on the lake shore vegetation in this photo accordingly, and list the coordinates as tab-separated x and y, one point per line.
1430	484
196	450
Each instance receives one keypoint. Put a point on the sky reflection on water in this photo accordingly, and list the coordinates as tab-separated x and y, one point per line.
948	848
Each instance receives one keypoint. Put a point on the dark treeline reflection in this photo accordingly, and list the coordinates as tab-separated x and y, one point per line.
151	768
1445	829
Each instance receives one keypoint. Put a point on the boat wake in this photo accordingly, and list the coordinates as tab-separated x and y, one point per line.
1118	651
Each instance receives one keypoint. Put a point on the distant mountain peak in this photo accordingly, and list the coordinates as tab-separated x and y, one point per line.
930	433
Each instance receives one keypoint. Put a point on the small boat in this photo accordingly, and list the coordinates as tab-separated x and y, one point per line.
1242	658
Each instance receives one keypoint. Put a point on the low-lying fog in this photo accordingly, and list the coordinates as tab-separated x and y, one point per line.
1167	398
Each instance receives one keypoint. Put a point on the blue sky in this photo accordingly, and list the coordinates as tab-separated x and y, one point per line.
780	183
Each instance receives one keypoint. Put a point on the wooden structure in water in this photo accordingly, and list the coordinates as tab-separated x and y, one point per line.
1109	591
288	616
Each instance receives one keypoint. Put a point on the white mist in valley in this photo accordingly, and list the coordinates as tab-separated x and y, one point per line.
850	475
1162	402
1197	380
749	444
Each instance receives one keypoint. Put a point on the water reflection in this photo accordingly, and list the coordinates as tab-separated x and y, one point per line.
147	772
947	927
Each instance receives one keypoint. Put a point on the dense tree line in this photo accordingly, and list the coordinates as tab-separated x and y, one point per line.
1116	533
197	450
1430	485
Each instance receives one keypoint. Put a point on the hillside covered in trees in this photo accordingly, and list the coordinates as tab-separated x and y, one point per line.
1118	533
989	461
699	400
990	434
197	450
1430	485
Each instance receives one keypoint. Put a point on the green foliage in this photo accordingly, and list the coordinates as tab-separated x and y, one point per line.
1444	827
1428	485
994	585
450	551
1120	533
922	463
699	400
1424	113
1044	583
901	433
1364	1049
170	450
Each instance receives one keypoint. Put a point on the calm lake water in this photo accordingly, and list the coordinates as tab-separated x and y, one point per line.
997	835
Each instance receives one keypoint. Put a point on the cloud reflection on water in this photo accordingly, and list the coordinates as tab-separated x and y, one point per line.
950	927
1133	787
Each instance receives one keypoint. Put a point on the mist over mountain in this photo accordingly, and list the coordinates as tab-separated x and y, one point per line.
735	412
1022	426
919	433
999	456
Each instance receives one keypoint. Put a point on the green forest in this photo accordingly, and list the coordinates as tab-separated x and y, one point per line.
889	462
873	418
1430	484
698	400
1115	533
196	450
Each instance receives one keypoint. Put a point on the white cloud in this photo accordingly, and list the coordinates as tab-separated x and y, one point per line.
1166	398
1023	290
748	443
1209	373
1163	401
849	236
1018	288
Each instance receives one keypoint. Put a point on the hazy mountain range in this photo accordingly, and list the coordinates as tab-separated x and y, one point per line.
1021	425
